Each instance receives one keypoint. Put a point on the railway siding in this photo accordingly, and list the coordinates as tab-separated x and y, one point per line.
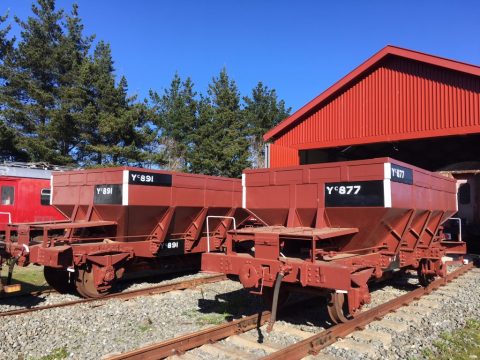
117	326
91	330
413	329
373	340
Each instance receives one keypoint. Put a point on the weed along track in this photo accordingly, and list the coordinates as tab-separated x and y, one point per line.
247	338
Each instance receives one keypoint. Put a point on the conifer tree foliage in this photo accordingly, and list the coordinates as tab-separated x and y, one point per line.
263	110
61	102
220	146
114	128
176	115
38	79
9	148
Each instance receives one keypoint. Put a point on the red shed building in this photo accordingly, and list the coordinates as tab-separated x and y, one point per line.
411	106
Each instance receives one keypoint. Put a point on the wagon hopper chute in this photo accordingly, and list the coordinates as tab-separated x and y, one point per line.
125	219
332	228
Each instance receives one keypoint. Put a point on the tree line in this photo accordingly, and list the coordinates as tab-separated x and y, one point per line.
61	103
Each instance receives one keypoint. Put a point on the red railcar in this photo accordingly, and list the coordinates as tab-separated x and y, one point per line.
25	195
328	228
332	228
126	219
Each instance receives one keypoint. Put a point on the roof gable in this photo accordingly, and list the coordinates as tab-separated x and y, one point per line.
364	68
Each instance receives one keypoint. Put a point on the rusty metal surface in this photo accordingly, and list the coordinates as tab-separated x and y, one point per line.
322	233
145	203
73	225
153	290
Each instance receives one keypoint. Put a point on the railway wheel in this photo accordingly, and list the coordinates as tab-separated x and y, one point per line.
425	273
58	279
85	284
337	307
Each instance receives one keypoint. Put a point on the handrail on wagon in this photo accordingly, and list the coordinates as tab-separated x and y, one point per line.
459	227
9	215
208	227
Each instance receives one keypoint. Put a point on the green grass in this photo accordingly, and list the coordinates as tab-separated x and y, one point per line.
56	354
206	319
212	319
461	344
146	325
30	277
144	328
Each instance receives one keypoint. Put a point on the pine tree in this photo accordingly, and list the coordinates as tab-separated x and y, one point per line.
37	80
220	146
73	51
41	83
262	111
176	112
114	129
9	148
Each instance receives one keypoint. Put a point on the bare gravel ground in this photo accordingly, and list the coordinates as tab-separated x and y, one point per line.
14	303
89	331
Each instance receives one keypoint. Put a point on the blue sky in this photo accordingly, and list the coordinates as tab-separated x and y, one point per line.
299	48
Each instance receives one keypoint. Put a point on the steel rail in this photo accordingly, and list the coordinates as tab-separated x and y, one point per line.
187	342
181	344
312	345
315	343
152	290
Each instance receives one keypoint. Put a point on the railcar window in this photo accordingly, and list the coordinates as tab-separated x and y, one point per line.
8	193
45	197
464	194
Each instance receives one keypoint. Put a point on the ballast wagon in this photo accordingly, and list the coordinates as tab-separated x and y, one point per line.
332	228
126	219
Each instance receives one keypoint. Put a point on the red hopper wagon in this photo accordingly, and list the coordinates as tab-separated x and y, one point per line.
125	219
332	228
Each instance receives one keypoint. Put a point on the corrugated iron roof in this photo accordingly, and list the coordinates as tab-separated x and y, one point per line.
364	68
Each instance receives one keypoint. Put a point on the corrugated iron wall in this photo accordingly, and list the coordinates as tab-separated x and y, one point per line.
283	156
401	99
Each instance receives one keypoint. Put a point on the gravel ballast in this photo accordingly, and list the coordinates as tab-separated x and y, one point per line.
90	331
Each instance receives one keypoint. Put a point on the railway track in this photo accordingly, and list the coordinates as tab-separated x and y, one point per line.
306	345
125	295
